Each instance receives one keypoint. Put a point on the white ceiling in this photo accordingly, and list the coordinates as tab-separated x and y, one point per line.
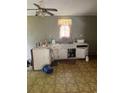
66	7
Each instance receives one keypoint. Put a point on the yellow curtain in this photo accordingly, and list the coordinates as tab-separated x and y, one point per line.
64	21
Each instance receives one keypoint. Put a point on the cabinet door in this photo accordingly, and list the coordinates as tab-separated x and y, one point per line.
56	53
81	53
63	53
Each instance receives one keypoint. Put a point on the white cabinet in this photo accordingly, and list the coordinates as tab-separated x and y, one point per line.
60	51
55	48
81	52
41	57
63	53
56	53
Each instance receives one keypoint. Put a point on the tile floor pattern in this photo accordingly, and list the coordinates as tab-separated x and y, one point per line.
75	77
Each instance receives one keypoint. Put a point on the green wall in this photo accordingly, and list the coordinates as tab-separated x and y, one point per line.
41	28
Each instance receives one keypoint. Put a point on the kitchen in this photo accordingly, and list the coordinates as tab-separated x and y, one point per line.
69	41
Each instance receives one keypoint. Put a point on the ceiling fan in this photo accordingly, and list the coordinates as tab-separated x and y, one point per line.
43	11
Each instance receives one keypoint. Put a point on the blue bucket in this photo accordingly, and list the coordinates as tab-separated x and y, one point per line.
47	69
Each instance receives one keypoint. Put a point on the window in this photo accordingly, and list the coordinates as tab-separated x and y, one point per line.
64	31
65	26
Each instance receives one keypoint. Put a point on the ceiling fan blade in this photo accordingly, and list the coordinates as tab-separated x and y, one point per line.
37	6
50	9
32	9
49	13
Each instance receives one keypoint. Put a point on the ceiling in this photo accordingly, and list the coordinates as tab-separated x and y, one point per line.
66	7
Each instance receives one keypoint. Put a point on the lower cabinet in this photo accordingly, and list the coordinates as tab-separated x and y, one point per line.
63	54
81	53
56	53
70	51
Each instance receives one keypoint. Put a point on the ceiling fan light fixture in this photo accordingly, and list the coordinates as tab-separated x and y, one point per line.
40	11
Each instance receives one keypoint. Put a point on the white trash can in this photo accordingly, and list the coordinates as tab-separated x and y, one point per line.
87	58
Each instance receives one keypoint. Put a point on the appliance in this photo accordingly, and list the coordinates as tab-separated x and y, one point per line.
40	57
43	11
